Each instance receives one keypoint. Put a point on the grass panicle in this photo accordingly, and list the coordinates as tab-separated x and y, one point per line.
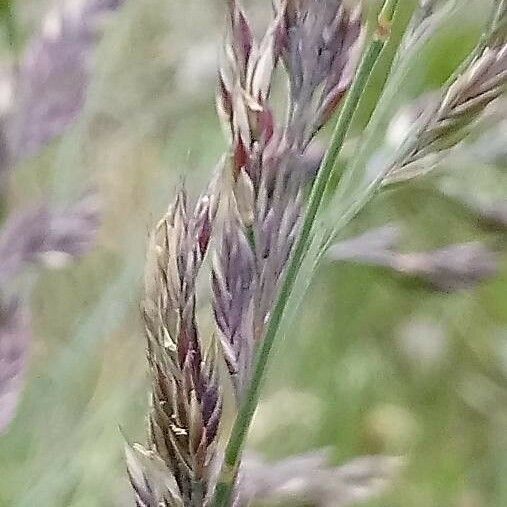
268	158
445	122
448	269
186	400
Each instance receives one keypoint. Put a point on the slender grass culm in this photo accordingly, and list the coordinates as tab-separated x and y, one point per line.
266	218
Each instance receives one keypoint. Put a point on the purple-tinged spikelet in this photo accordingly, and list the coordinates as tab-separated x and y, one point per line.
186	400
268	159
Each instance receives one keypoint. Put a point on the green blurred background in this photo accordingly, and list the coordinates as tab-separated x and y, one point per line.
377	363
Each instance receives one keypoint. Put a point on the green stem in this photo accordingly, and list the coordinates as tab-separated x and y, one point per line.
245	415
